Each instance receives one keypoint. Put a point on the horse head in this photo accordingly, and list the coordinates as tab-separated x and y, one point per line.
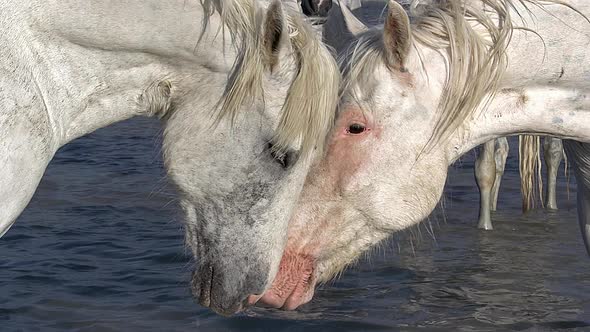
240	172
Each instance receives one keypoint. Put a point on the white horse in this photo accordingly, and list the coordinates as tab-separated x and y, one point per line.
491	162
417	96
69	67
491	159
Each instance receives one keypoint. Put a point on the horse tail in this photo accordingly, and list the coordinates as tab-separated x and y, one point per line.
529	165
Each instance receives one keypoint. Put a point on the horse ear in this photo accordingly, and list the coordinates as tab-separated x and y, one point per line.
397	35
274	33
341	27
353	24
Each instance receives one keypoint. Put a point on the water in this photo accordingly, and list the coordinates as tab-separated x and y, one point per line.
100	249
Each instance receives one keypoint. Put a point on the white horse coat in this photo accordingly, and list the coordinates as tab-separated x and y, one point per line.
69	67
418	96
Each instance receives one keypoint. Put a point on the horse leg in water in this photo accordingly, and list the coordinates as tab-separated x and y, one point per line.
26	147
579	154
500	155
485	174
553	152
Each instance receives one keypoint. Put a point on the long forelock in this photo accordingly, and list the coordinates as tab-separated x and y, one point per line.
474	34
359	62
310	105
243	21
308	112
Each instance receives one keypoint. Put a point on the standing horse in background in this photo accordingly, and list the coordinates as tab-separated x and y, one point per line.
416	96
246	95
491	162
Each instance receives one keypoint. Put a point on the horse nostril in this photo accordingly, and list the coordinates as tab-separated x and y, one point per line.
202	282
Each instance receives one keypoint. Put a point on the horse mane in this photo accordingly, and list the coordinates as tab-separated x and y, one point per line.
474	35
309	108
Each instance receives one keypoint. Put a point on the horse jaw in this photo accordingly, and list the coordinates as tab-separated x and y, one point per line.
5	227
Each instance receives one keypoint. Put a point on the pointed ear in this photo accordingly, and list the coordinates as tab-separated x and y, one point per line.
353	24
397	35
274	33
341	27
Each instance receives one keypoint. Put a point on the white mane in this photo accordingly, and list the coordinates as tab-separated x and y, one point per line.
476	57
309	108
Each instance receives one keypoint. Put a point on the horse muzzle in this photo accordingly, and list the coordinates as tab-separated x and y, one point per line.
224	290
293	285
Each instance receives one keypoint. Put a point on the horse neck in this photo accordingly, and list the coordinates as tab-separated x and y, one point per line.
119	60
560	113
545	87
553	53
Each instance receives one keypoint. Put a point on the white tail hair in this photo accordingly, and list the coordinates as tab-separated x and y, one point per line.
530	166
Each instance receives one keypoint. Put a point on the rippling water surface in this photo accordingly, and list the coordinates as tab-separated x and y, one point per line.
100	249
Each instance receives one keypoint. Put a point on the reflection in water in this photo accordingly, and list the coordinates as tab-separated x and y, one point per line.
99	249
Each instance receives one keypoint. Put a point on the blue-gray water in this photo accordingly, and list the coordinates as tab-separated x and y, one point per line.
100	249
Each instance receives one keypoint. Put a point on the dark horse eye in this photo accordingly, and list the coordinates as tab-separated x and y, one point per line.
356	129
280	157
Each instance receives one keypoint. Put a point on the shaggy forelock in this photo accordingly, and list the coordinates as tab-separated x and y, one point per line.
359	61
309	108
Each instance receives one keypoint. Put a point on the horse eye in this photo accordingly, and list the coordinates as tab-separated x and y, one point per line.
356	129
280	157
